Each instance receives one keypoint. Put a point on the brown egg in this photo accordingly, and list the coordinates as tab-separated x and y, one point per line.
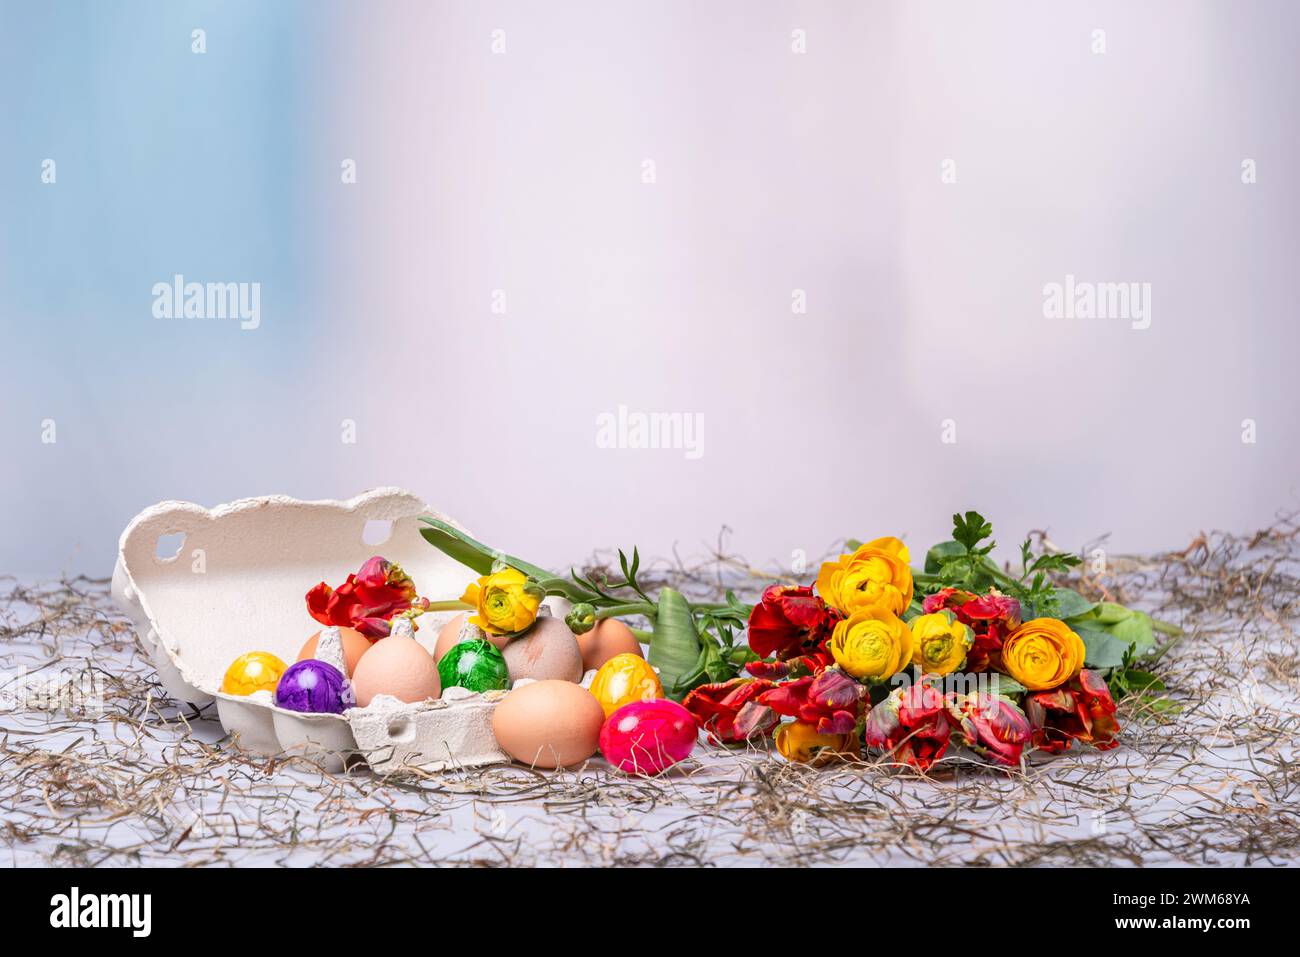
397	666
548	724
610	637
355	645
449	635
546	650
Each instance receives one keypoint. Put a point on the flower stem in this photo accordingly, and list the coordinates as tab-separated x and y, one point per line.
449	606
631	608
647	608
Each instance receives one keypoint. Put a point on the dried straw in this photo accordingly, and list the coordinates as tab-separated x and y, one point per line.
135	779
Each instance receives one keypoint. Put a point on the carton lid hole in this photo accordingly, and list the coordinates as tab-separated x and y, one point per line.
169	546
377	531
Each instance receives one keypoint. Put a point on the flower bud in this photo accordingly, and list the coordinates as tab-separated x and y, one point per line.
581	619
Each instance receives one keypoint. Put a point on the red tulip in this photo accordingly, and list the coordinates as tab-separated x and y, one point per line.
809	664
1080	710
991	607
728	711
789	621
367	601
991	726
911	722
829	701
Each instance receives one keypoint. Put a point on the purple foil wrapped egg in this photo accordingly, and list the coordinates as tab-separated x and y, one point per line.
646	737
314	687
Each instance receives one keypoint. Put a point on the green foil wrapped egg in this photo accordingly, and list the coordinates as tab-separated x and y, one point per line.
475	664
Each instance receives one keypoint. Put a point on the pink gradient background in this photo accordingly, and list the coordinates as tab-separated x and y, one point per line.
776	171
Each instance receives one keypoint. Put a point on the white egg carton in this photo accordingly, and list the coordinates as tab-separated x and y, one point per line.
237	582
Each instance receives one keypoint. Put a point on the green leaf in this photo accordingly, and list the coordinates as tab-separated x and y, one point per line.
742	610
1162	705
566	589
1110	613
1102	650
1006	684
675	648
1135	630
971	529
934	558
716	668
1072	604
1056	562
1140	681
474	554
456	547
741	655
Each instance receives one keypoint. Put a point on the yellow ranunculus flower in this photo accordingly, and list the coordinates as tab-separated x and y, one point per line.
939	643
877	575
872	644
800	742
505	603
1042	654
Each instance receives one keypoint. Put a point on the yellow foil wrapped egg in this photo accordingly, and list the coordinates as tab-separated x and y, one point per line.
623	679
254	671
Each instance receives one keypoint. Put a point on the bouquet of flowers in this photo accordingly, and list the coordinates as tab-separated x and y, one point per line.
879	655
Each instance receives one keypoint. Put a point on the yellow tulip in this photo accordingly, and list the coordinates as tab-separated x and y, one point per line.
940	643
1042	654
872	644
800	742
877	575
505	602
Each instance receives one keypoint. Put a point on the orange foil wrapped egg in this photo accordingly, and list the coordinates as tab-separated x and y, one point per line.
624	679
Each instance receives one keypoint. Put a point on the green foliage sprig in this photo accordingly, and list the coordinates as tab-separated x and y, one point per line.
964	563
691	642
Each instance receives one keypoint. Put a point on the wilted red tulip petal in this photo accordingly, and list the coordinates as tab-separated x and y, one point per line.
835	691
790	697
723	711
992	726
912	723
318	600
840	722
1081	710
991	607
943	598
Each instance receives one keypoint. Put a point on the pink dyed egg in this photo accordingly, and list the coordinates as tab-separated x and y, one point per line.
645	737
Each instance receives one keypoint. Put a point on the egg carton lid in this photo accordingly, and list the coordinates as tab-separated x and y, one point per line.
237	582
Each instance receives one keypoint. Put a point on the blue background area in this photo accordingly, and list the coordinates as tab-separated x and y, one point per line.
168	161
